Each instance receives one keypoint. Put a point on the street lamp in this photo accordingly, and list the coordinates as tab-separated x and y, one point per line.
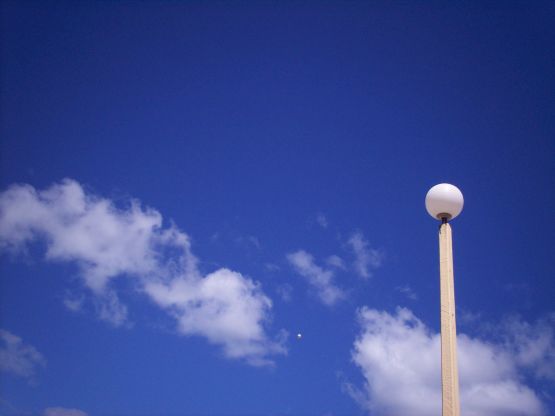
444	202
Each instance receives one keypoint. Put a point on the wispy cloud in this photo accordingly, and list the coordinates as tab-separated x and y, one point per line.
74	302
285	292
62	411
397	352
366	258
319	278
407	291
322	220
111	309
271	267
249	240
18	358
336	261
107	242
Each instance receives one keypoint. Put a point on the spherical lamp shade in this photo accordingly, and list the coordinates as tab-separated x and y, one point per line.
444	201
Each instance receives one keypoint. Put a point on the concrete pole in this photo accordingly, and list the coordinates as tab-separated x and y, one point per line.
449	370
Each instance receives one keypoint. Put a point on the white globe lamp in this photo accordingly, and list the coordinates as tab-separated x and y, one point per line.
444	201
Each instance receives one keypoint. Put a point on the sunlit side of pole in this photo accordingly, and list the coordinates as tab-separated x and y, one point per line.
449	370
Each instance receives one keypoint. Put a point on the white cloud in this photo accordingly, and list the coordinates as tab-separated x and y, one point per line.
225	307
532	345
366	258
398	353
320	279
62	411
19	358
107	242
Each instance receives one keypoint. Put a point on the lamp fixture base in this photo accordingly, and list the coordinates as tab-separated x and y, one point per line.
444	217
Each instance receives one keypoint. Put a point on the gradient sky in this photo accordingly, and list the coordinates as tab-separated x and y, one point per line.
187	186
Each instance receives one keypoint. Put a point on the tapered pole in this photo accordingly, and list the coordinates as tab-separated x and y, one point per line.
449	370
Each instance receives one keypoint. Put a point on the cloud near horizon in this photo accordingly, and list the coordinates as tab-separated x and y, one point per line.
398	353
107	243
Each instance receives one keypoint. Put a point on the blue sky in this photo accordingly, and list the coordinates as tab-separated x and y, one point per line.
186	186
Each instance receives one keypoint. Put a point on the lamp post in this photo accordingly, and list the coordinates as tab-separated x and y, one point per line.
444	202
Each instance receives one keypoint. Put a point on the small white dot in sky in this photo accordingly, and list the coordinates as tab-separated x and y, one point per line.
299	335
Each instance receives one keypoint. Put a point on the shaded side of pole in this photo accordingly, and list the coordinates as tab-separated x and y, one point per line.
449	369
